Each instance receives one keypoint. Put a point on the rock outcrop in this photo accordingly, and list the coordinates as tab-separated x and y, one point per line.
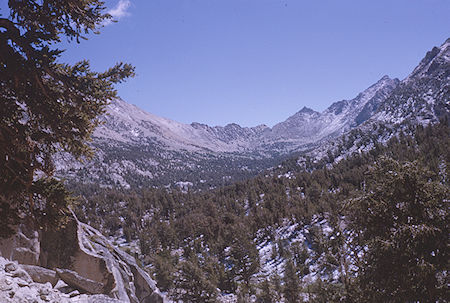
82	259
23	246
17	286
41	274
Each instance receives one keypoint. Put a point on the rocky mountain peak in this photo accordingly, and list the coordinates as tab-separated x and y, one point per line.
436	57
423	97
306	110
260	127
233	126
198	125
385	81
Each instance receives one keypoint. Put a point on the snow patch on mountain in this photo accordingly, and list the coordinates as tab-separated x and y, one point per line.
142	147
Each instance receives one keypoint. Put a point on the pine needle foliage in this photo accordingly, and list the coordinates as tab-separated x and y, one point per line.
401	227
46	106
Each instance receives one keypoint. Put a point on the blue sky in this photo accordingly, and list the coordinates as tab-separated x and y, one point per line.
260	61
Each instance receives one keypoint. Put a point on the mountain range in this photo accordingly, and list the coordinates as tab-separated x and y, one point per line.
137	148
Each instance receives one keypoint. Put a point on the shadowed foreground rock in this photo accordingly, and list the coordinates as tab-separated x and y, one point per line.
90	266
17	286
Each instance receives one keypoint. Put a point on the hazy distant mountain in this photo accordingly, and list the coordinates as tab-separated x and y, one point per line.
127	123
309	126
138	148
421	98
425	94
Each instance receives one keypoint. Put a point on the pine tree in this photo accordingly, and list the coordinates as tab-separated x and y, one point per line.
164	269
46	106
191	284
401	221
243	257
291	289
268	292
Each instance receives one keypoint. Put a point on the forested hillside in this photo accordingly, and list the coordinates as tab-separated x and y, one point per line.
136	149
374	223
345	205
